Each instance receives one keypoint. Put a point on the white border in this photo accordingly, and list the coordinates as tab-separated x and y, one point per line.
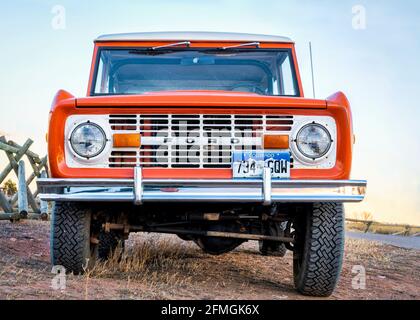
73	160
301	161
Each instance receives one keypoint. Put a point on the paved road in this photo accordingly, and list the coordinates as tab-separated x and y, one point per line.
398	241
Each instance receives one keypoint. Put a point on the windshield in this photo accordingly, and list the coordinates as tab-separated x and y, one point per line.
137	71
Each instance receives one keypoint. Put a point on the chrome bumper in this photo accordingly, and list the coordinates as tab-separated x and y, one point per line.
139	190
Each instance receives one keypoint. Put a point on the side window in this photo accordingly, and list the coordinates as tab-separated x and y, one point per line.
276	87
287	79
102	78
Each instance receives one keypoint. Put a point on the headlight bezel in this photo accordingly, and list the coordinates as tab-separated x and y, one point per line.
327	158
316	125
98	153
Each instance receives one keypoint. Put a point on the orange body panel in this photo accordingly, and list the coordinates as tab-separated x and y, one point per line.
69	106
209	102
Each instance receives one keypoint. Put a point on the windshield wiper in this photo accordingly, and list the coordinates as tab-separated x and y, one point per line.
249	44
157	50
188	43
150	52
154	51
176	44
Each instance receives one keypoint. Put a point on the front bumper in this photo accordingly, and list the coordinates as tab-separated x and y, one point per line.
139	190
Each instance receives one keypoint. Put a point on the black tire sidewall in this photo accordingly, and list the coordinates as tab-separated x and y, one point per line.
71	222
300	263
327	267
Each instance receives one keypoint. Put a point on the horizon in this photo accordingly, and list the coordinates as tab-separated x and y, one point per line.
352	52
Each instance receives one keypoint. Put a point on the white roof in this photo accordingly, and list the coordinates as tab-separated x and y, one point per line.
192	36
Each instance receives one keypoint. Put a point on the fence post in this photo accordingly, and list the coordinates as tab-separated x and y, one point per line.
17	157
22	190
44	204
368	224
4	203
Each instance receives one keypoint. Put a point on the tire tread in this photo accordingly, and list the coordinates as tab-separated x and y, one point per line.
69	236
323	253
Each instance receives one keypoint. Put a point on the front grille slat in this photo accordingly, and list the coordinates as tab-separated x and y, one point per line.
192	141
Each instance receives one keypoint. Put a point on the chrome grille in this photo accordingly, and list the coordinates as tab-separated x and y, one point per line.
192	141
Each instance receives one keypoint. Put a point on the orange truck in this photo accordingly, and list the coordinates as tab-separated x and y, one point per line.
207	136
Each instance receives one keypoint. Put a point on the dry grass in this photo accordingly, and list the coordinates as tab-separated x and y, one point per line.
154	260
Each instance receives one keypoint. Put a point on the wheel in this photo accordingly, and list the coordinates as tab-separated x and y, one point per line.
273	248
108	242
70	237
318	250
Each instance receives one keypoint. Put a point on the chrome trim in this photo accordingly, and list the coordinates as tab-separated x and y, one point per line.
95	182
192	36
267	186
180	190
104	142
138	186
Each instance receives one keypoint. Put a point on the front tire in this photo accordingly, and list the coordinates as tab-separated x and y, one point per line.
70	237
318	252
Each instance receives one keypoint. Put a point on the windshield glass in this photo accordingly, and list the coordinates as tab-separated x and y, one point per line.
137	71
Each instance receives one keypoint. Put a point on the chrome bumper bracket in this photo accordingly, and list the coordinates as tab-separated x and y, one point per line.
267	186
138	186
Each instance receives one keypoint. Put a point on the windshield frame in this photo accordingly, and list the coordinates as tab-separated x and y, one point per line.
99	49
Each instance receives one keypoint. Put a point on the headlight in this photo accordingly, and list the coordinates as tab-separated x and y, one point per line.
313	141
88	140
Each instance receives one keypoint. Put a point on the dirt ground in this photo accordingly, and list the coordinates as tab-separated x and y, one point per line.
164	267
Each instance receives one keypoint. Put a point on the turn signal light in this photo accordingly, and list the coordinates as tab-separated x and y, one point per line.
272	141
127	140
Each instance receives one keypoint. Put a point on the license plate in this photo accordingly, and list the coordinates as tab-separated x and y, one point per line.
251	164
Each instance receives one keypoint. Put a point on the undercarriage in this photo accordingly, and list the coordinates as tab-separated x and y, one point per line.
216	228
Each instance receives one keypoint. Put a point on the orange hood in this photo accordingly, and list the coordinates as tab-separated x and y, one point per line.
200	99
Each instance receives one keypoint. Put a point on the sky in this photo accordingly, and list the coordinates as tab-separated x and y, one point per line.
368	49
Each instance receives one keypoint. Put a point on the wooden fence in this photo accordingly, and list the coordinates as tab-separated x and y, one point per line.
394	229
23	204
